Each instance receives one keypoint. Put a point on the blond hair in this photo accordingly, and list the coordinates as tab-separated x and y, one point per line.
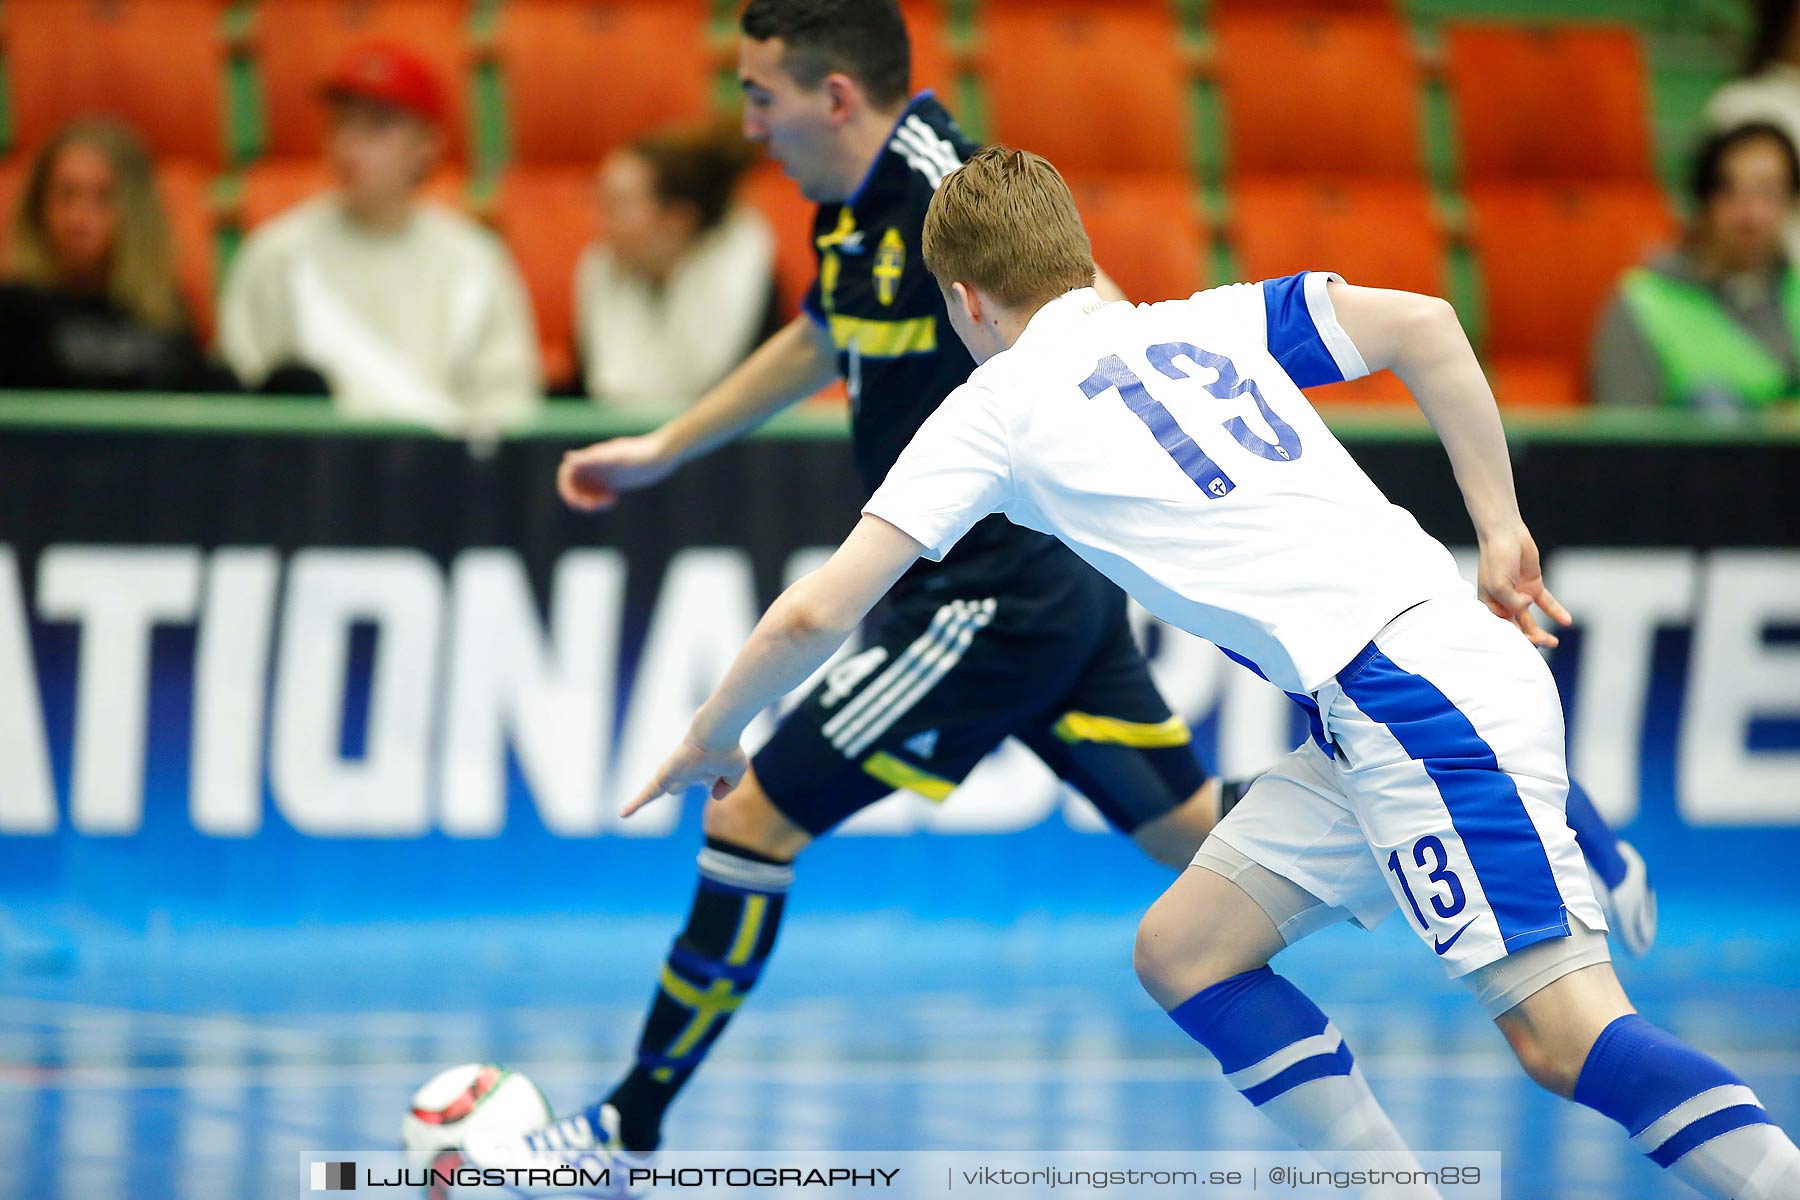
1006	223
141	279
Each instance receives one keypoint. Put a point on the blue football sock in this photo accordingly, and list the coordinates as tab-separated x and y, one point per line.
1599	844
1687	1113
1281	1053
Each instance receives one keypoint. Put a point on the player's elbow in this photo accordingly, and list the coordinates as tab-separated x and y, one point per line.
1428	329
806	612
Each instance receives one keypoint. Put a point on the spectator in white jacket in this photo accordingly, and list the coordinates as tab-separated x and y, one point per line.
681	287
410	311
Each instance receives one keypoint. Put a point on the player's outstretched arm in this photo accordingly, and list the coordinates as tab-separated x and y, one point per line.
799	632
790	366
1420	339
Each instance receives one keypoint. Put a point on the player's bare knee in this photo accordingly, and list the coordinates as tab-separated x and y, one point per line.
1177	953
746	817
1162	954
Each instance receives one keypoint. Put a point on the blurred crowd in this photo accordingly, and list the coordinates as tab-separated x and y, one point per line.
395	305
402	308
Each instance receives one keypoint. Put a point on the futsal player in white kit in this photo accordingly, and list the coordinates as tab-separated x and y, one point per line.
1170	446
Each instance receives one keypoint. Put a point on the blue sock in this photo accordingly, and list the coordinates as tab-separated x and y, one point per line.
1599	844
1684	1110
1281	1053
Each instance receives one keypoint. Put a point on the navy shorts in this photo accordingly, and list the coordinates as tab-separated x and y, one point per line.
956	667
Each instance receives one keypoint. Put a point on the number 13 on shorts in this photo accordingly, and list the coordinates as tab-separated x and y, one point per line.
1440	886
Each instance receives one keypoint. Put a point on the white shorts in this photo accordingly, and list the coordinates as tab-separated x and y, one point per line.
1443	795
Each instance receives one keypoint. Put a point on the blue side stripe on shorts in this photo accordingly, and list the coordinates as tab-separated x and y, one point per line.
1307	704
1485	808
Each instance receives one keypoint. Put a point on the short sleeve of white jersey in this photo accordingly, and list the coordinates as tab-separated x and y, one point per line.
956	470
1298	322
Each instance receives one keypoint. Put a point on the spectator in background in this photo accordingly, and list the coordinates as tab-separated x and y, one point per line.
409	311
1715	322
1769	89
683	285
91	300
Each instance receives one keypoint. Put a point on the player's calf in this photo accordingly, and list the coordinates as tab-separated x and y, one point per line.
747	818
1686	1112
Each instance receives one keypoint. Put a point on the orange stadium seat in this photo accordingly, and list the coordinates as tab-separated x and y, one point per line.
1376	232
790	215
547	216
12	182
1380	233
1561	102
933	66
298	42
1549	256
187	199
584	75
1315	7
158	65
1358	113
1148	232
1124	63
275	185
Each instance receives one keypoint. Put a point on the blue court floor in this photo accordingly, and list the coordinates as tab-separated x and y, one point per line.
202	1066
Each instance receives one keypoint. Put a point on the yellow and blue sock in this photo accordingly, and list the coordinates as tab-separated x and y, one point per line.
712	966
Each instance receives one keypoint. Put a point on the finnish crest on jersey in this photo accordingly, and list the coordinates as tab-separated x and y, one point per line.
890	264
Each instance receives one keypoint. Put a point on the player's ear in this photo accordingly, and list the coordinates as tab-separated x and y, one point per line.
969	299
842	95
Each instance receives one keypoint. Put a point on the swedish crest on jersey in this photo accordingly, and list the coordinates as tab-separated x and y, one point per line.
890	266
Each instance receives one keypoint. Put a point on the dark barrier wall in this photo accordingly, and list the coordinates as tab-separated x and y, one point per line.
258	675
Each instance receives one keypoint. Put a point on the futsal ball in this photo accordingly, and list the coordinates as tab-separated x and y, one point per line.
470	1099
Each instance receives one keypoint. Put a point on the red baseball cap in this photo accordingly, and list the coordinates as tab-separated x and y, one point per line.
388	74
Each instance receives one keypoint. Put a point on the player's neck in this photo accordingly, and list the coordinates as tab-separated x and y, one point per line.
865	139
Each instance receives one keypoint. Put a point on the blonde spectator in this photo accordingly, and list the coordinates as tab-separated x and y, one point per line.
410	311
91	299
679	291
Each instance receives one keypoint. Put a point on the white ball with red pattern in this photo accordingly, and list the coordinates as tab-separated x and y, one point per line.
473	1098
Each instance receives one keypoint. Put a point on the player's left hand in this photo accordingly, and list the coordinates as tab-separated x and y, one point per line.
1511	580
693	765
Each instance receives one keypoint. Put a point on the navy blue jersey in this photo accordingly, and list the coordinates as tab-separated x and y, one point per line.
895	347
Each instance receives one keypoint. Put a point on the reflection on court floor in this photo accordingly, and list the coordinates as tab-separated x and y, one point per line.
204	1067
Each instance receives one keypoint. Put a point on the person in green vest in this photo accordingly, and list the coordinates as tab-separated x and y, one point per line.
1715	322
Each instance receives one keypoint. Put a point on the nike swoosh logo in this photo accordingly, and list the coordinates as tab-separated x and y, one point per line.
1441	946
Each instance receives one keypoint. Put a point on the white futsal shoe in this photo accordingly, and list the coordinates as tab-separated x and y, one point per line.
1630	907
561	1158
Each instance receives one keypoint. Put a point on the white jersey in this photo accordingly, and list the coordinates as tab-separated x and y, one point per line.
1171	447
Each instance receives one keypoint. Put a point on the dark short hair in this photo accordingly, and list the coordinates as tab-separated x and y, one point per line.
864	39
698	167
1773	28
1709	161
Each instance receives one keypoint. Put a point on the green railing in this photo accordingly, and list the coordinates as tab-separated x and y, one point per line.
574	421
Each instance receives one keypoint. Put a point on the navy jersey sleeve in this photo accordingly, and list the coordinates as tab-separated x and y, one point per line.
1303	330
812	303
